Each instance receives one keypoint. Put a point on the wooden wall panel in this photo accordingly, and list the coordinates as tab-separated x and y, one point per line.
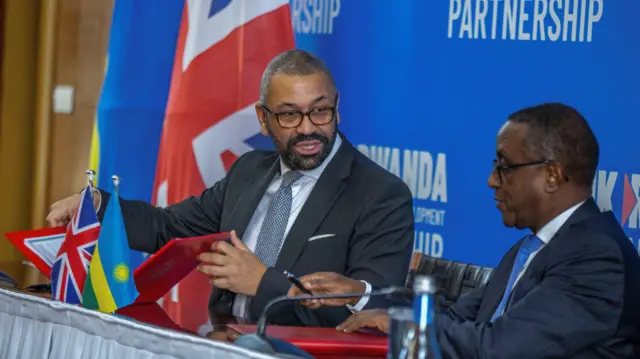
18	80
2	25
34	142
82	40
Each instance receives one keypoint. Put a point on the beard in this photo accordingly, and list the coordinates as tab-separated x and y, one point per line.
300	162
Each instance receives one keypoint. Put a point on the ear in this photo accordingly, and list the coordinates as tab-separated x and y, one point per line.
262	119
555	174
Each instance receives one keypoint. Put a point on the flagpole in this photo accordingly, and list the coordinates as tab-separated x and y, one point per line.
91	174
116	184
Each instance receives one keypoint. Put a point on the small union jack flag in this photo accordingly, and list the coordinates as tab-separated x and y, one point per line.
69	271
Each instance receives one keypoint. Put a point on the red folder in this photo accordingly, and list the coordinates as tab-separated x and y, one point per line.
323	341
162	271
175	260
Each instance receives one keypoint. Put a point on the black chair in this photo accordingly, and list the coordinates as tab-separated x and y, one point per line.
453	279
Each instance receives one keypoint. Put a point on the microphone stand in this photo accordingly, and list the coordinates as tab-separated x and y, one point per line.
262	321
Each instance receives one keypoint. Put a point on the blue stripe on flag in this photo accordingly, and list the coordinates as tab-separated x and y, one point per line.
217	6
134	94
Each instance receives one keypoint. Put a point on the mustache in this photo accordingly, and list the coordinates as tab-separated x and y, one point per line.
312	137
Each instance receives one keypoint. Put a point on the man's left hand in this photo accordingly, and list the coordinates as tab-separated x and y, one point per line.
373	318
232	266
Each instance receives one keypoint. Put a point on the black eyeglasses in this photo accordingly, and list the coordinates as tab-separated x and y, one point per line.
500	169
291	119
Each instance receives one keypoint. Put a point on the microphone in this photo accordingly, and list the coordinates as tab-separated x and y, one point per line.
261	343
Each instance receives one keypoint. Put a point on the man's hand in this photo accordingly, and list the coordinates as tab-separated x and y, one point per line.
327	283
233	266
373	318
62	211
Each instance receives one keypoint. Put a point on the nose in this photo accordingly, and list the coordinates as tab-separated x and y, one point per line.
494	181
306	127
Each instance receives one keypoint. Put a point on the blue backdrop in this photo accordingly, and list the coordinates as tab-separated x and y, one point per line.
425	86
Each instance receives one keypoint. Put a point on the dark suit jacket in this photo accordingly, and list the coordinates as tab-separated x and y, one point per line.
579	298
368	209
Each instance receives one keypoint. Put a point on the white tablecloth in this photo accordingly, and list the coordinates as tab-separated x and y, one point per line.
38	328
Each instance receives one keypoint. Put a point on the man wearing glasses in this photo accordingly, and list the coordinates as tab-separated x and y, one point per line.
570	288
316	204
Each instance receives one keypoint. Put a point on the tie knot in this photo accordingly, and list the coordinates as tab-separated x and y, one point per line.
531	244
290	177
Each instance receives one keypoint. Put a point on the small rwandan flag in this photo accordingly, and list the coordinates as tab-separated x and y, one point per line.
110	283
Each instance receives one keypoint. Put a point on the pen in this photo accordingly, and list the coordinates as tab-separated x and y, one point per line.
293	279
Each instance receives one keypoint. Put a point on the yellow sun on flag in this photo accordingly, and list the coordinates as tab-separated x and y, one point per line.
121	273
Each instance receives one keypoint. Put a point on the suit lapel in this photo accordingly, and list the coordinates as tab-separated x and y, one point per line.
221	300
328	188
586	210
498	284
250	198
525	284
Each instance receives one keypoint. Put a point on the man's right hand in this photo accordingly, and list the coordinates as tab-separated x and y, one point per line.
328	283
62	211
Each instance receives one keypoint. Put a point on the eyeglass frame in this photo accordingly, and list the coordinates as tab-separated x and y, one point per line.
304	114
501	169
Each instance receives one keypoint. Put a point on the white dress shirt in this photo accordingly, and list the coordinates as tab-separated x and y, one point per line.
301	189
546	234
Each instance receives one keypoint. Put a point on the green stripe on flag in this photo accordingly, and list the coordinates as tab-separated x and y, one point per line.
89	299
99	282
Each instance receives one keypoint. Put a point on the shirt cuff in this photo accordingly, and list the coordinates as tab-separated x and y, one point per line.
363	300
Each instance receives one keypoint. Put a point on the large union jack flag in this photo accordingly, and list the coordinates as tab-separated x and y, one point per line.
223	47
69	271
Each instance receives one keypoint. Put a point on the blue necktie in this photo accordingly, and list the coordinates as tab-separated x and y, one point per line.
530	244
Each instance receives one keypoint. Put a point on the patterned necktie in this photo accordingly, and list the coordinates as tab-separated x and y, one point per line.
530	244
275	223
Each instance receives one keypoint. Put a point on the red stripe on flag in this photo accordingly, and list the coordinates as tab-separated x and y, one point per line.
228	158
222	80
63	288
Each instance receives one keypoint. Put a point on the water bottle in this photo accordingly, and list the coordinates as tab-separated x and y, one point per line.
425	342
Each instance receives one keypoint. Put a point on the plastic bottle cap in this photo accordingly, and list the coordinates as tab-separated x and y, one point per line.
424	284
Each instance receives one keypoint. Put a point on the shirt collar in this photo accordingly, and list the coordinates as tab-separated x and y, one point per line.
550	229
316	172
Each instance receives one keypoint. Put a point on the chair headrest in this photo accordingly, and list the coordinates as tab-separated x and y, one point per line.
454	279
